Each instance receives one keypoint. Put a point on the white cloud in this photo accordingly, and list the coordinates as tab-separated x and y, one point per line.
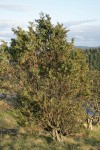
15	7
72	24
6	28
79	37
85	34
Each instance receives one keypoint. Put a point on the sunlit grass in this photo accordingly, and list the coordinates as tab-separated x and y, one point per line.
45	142
7	119
86	140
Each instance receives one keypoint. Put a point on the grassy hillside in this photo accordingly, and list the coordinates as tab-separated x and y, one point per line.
14	137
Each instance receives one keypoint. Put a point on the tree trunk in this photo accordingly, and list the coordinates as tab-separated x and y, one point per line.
56	135
89	123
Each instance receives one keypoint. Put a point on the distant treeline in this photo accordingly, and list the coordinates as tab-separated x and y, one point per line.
93	58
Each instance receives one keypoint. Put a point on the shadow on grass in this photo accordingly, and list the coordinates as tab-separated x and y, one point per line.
54	145
92	141
7	131
48	139
72	147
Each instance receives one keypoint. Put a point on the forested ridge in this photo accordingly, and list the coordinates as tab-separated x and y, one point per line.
55	84
93	58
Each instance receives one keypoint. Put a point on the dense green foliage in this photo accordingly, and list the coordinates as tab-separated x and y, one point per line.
93	58
6	69
49	76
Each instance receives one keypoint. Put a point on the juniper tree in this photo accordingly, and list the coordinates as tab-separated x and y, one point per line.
51	77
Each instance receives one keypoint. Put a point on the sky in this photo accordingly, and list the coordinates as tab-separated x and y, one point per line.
81	17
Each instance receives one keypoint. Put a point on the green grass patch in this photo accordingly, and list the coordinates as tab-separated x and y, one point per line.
7	119
41	140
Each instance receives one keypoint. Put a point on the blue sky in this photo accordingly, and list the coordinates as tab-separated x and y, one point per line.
81	17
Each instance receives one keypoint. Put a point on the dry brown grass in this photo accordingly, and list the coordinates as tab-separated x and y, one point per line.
4	106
